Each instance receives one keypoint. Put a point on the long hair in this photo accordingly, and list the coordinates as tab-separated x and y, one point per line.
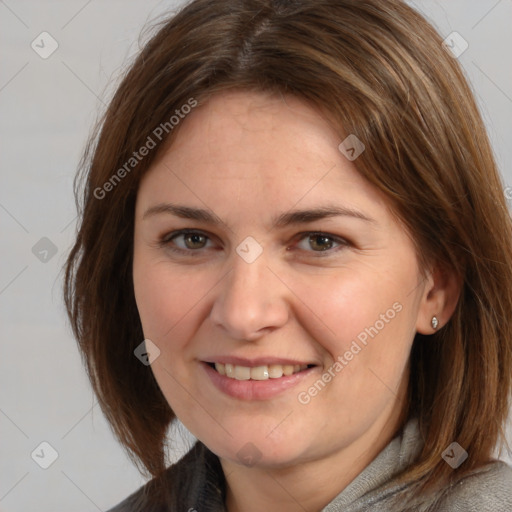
377	70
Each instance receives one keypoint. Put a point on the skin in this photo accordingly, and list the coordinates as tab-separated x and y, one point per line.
248	157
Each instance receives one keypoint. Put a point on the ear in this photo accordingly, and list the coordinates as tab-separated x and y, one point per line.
439	299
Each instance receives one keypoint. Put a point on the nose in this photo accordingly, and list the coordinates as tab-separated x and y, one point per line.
252	300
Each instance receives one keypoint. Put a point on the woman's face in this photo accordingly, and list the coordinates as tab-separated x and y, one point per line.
334	296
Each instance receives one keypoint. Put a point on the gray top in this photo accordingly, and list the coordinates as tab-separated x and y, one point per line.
200	484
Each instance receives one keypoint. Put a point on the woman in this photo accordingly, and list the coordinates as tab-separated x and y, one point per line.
294	239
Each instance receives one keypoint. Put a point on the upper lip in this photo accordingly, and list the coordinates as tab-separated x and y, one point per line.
257	361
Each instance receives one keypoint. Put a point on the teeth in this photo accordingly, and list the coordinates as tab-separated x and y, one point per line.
242	373
288	369
272	371
230	371
275	371
258	372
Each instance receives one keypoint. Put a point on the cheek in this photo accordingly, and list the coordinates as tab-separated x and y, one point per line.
364	321
345	306
166	300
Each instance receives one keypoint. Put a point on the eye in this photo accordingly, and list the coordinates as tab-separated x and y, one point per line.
191	242
321	243
185	241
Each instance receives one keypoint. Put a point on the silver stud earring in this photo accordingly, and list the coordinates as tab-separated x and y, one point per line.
434	322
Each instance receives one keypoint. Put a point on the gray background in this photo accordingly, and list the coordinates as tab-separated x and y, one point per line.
47	109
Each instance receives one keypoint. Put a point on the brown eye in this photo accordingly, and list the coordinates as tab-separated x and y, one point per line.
184	242
320	242
194	240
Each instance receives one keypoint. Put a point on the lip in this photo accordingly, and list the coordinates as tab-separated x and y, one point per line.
258	361
254	389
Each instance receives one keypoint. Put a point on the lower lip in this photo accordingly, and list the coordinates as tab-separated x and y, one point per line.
255	389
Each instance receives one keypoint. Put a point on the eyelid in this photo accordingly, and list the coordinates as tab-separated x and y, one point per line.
342	242
166	239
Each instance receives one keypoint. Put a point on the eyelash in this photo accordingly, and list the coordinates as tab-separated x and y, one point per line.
167	239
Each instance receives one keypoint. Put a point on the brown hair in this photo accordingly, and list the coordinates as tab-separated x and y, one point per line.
377	70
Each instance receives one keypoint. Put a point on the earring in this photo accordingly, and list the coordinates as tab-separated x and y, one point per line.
434	322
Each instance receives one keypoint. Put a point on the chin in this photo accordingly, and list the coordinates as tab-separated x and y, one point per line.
258	451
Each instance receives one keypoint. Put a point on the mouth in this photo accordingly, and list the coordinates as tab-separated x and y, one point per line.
257	379
262	372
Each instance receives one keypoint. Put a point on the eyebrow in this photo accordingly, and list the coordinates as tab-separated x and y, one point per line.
281	221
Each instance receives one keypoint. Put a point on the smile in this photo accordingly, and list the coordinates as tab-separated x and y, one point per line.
264	372
257	382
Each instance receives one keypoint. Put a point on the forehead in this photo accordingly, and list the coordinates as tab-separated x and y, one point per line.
253	128
247	149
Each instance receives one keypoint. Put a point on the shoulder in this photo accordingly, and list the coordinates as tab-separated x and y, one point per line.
488	489
194	482
140	501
